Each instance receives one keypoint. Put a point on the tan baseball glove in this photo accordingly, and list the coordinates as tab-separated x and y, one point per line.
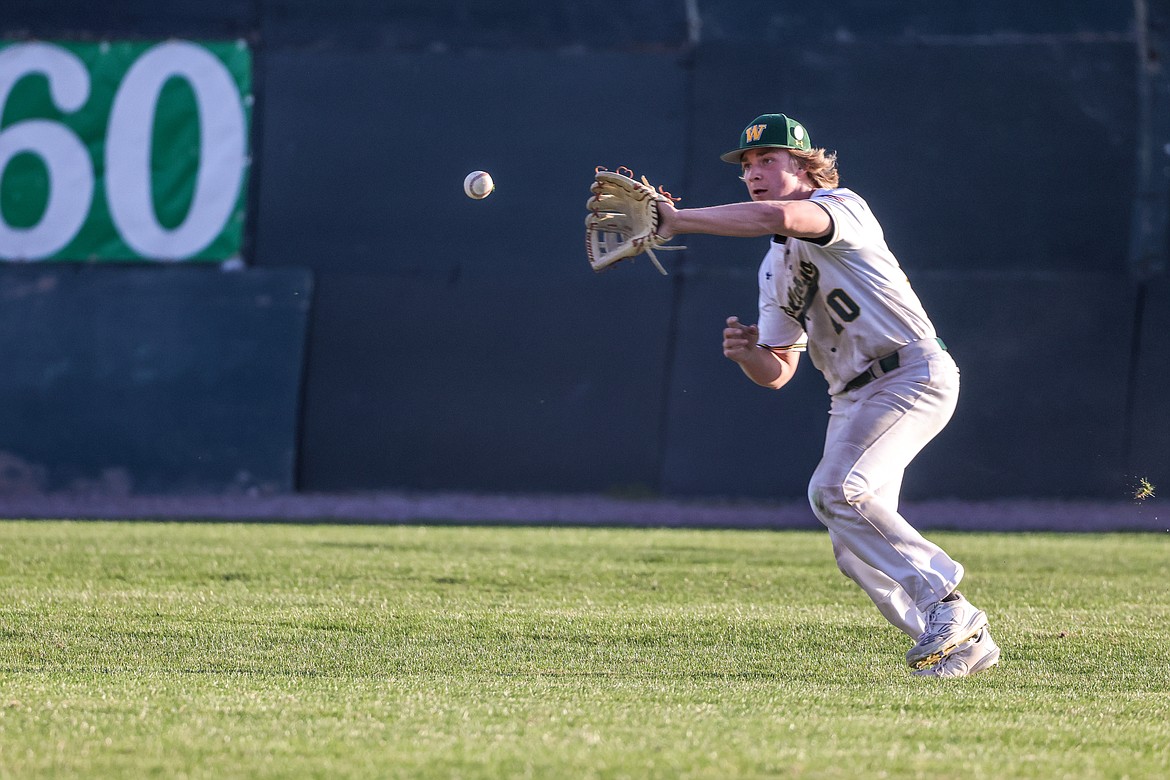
623	219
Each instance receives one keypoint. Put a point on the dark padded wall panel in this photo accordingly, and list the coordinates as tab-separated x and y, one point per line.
1150	456
437	25
484	384
966	153
456	343
1044	360
129	18
365	156
964	23
148	379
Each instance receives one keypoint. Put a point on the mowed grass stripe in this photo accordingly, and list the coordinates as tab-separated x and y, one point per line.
164	649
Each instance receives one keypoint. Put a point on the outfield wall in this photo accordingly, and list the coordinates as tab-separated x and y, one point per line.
387	333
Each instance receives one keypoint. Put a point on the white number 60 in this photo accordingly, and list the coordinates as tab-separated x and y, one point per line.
223	158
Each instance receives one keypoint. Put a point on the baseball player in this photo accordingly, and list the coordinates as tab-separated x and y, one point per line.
830	286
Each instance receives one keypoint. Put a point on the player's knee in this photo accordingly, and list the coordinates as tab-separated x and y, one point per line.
827	500
832	500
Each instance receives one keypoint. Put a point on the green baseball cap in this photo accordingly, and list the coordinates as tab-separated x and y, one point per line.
774	131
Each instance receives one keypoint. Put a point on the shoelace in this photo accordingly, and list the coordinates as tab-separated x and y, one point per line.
932	619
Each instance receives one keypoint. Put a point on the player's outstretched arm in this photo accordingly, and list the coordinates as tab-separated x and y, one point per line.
763	366
796	218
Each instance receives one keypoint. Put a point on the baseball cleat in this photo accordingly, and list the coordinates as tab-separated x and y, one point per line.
972	657
948	625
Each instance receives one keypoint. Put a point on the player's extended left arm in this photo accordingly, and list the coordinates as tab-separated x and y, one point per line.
796	218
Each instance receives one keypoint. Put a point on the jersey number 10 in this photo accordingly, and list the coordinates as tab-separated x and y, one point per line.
844	307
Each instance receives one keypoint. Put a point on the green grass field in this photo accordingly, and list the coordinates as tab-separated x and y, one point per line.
227	650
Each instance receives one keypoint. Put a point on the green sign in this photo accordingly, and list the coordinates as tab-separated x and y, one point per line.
124	151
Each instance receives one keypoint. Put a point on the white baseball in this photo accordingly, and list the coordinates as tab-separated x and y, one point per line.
478	185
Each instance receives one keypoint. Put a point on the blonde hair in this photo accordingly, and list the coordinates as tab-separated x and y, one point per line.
820	165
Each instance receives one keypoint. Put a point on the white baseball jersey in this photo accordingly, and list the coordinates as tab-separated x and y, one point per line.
846	300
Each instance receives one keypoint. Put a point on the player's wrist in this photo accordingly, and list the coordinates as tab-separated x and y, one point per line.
667	220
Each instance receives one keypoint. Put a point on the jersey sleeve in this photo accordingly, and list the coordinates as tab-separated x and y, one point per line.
778	330
852	221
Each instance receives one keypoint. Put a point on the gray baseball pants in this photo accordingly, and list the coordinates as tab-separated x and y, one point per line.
874	432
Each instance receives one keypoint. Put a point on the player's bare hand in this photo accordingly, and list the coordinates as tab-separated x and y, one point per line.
739	340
